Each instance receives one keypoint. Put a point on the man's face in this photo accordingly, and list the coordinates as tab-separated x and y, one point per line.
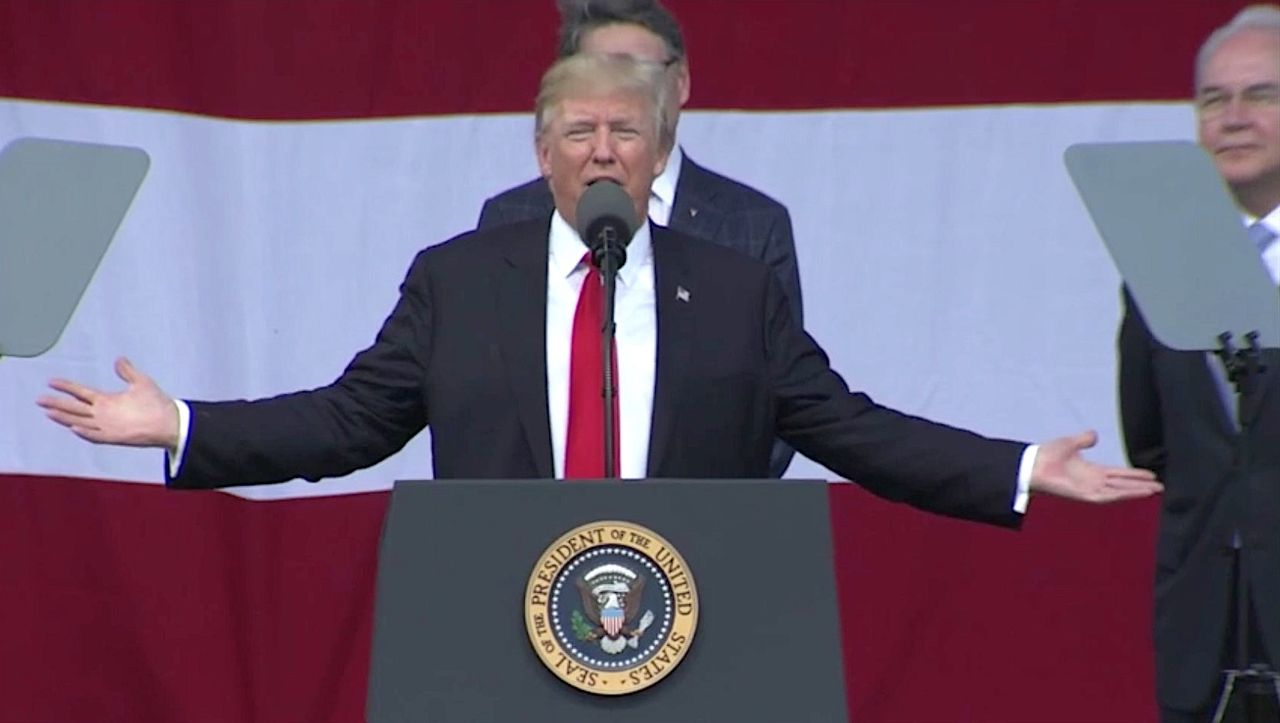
633	41
588	138
1238	106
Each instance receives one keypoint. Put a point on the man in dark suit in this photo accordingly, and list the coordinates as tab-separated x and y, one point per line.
1220	515
685	196
482	347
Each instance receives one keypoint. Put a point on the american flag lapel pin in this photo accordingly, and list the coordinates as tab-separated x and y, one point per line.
682	294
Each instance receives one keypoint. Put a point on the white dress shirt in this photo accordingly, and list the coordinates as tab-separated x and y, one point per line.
636	337
662	194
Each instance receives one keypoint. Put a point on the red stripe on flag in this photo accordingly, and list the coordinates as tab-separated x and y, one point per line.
131	602
354	58
944	620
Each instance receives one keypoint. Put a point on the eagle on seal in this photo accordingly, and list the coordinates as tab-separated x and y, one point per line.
611	598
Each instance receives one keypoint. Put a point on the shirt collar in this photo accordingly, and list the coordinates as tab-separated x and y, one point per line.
664	186
1271	220
567	249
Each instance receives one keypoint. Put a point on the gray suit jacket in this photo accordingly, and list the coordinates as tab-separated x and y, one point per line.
1176	425
708	206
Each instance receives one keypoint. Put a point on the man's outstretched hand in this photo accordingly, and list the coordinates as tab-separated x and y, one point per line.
139	416
1061	470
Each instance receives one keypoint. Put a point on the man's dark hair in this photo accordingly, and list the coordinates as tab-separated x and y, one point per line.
578	17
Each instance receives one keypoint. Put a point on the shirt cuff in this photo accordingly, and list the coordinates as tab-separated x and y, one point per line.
184	426
1023	498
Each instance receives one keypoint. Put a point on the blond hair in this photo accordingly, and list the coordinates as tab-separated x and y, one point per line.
598	75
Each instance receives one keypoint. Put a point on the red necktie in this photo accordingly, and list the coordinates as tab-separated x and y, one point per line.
584	444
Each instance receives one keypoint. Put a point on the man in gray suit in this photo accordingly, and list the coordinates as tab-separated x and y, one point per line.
685	197
1220	513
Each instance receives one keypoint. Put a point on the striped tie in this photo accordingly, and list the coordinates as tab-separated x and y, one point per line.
1261	236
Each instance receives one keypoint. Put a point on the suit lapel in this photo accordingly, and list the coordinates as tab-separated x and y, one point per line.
522	313
674	318
695	212
1265	383
1251	404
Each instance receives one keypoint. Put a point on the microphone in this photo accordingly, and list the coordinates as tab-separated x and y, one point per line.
606	222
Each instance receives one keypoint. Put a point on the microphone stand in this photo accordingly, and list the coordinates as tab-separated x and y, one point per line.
610	255
1254	682
606	220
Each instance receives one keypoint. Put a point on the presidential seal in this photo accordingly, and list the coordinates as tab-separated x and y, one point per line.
611	608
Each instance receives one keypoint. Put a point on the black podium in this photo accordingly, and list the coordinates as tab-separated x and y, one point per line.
450	641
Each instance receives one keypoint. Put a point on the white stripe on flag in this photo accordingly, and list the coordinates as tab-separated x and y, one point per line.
948	266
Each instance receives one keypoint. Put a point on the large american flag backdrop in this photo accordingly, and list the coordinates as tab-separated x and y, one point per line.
303	151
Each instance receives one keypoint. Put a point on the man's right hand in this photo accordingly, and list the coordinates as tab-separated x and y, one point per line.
140	416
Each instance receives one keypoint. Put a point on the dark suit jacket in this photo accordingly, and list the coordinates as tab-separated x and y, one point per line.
464	351
707	206
1175	424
